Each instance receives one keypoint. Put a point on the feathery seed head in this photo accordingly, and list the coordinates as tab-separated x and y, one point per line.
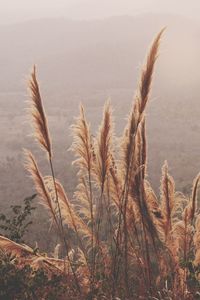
39	119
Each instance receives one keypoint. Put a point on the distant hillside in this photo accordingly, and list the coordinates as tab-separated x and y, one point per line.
90	61
97	54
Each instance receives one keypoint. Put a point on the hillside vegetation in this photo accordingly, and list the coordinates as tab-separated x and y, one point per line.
118	240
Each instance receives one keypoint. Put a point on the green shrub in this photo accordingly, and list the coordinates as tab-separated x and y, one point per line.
16	225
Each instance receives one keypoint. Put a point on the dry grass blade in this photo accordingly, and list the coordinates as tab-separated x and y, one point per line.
115	184
38	115
84	151
168	200
128	140
104	146
194	195
69	215
82	145
147	73
144	147
197	241
141	99
28	256
152	201
32	167
134	154
15	248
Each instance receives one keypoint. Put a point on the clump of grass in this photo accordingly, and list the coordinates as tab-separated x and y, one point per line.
126	241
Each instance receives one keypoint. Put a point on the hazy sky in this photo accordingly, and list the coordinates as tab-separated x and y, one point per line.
19	10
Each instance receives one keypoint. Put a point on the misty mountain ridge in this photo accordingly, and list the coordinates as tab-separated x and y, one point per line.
102	54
